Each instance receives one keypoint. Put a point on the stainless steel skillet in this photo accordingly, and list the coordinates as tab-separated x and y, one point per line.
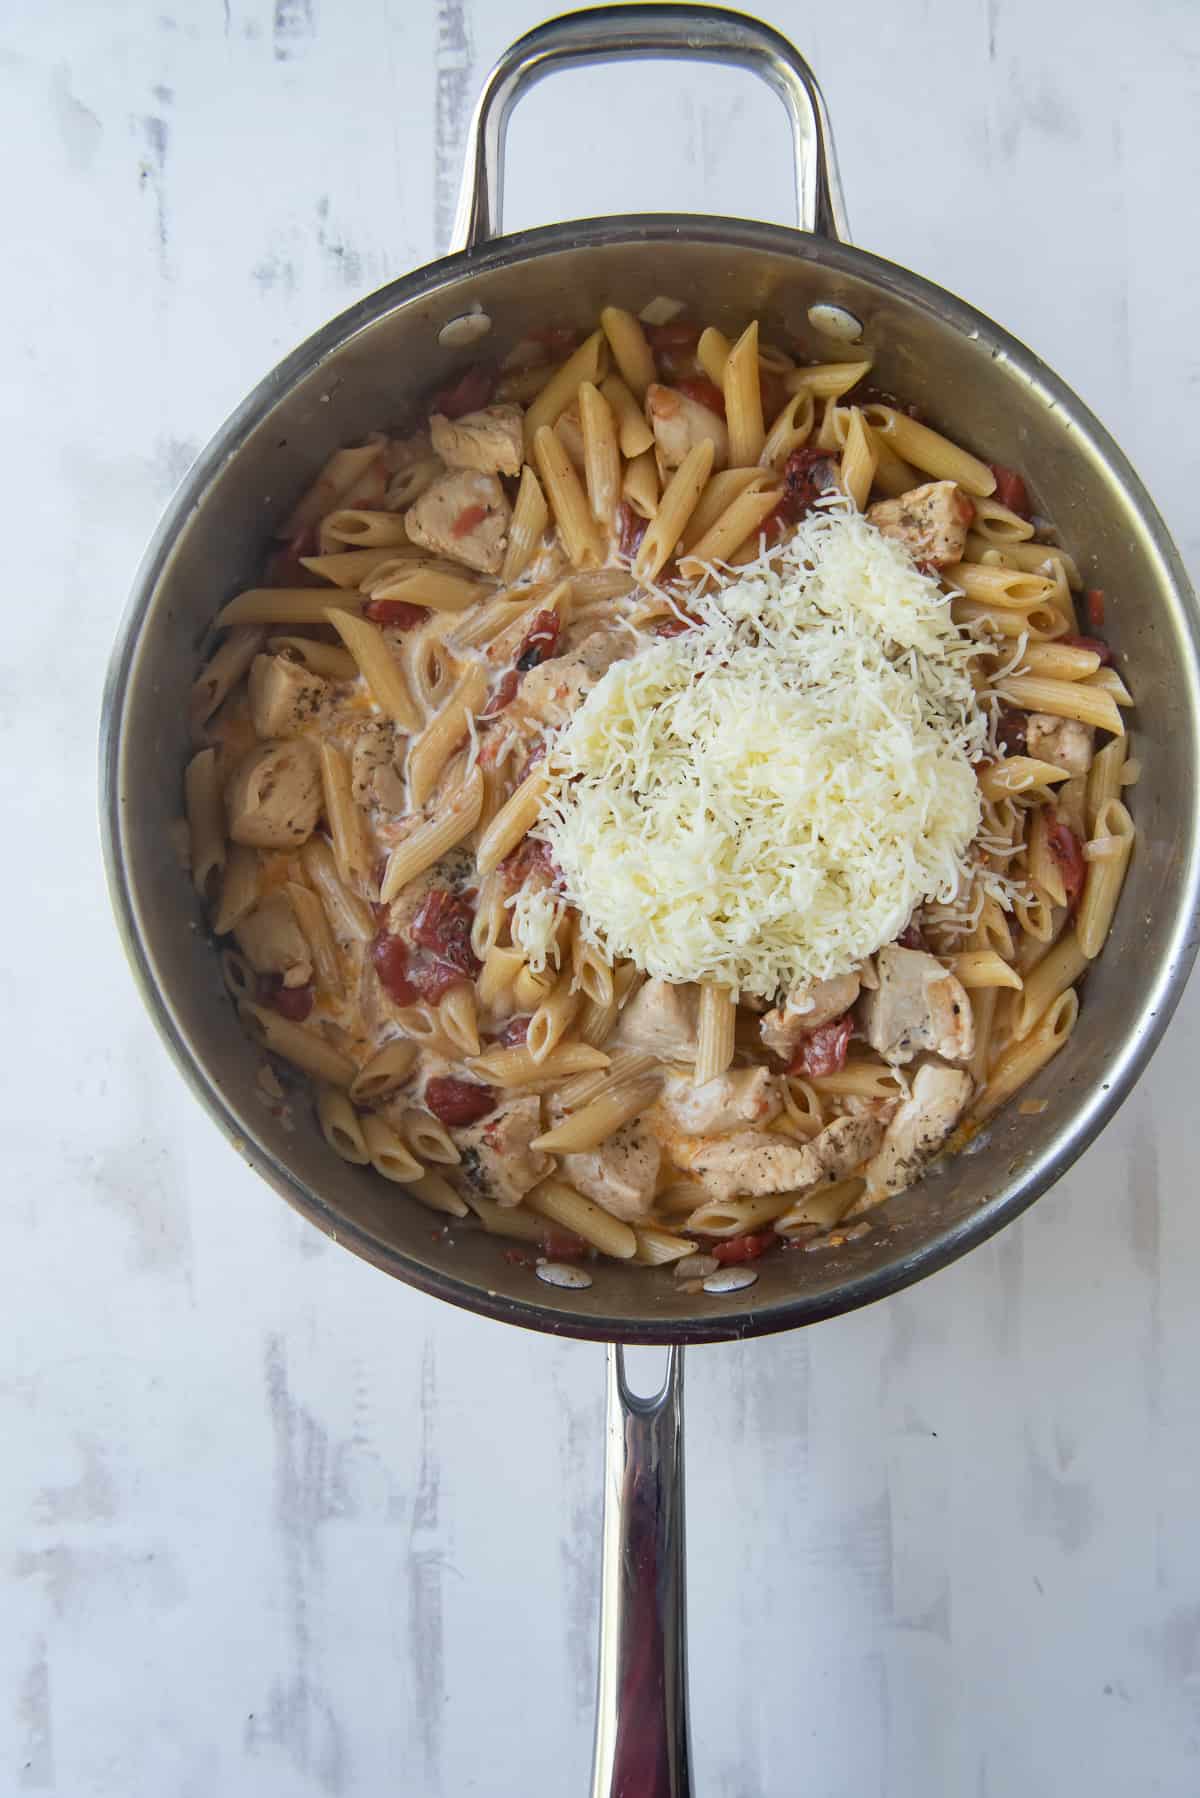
371	364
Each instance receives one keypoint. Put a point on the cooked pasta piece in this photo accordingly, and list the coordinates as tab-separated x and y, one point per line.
1104	778
827	380
342	815
576	526
587	363
511	1221
929	451
717	1018
517	1067
859	457
458	1020
437	1194
824	1207
1017	774
601	455
206	822
431	587
348	567
743	400
997	524
283	605
348	916
297	1043
563	1205
676	506
633	433
386	1070
239	888
512	822
994	585
592	1124
657	1247
1063	699
342	471
341	1126
222	672
310	916
429	1140
630	351
983	967
501	966
431	840
527	527
739	1216
790	431
388	1152
378	666
1107	855
366	530
1025	1057
625	1065
1059	661
553	1018
325	659
429	752
740	520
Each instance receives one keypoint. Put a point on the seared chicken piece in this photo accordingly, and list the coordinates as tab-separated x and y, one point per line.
622	1174
730	1102
489	441
273	797
663	1020
917	1005
375	777
679	423
497	1161
919	1128
931	522
284	696
272	941
465	516
1063	741
555	689
753	1163
807	1008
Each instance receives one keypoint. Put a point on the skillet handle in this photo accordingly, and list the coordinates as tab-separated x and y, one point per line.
641	1748
616	33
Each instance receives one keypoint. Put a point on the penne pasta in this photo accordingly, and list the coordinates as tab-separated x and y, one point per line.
206	822
712	353
341	1126
516	1066
624	1066
325	659
587	363
1017	774
993	585
314	925
633	433
929	451
553	1018
296	1043
348	567
595	1122
386	1070
858	461
824	1207
512	822
723	1218
674	509
431	840
378	666
1063	699
350	850
997	524
1059	661
222	672
630	351
568	502
348	916
715	1032
1105	876
1057	970
511	1221
1104	779
343	470
893	475
431	587
457	1018
387	1151
283	605
527	527
563	1205
827	380
446	731
983	967
790	431
239	888
743	400
601	455
437	1194
657	1247
429	1139
740	520
366	530
640	485
1027	1056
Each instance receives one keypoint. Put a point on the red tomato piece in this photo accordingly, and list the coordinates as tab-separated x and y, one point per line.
458	1101
540	641
531	856
468	518
502	694
744	1248
911	937
433	978
631	528
1093	605
704	392
1067	851
472	390
1010	489
443	926
823	1050
563	1245
1096	644
294	1002
390	957
807	474
395	612
512	1034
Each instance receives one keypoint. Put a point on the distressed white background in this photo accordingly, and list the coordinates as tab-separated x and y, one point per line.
274	1526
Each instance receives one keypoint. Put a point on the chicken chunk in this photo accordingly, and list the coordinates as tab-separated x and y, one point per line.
273	797
917	1005
730	1102
753	1163
490	441
465	516
918	1129
284	696
662	1019
622	1174
679	423
931	522
497	1161
1063	741
555	689
374	776
807	1008
454	872
273	942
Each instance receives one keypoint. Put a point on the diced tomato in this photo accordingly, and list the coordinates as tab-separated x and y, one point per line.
395	612
443	926
540	641
744	1248
502	694
512	1034
911	937
631	528
675	627
390	958
1011	728
557	340
823	1050
1093	605
1096	644
704	392
563	1245
294	1002
530	856
458	1101
678	334
807	474
472	390
467	520
433	978
1010	489
1067	851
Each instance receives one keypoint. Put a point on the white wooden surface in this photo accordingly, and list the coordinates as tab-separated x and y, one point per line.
273	1526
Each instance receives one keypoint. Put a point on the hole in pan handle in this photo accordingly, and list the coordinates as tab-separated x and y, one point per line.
617	33
642	1709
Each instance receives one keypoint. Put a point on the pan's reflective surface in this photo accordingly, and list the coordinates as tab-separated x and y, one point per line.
366	369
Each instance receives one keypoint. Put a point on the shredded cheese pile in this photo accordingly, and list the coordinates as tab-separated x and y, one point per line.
765	799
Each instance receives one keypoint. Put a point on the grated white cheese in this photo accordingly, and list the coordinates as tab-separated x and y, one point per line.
765	799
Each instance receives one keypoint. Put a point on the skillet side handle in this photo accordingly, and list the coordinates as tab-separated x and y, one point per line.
642	1712
619	33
